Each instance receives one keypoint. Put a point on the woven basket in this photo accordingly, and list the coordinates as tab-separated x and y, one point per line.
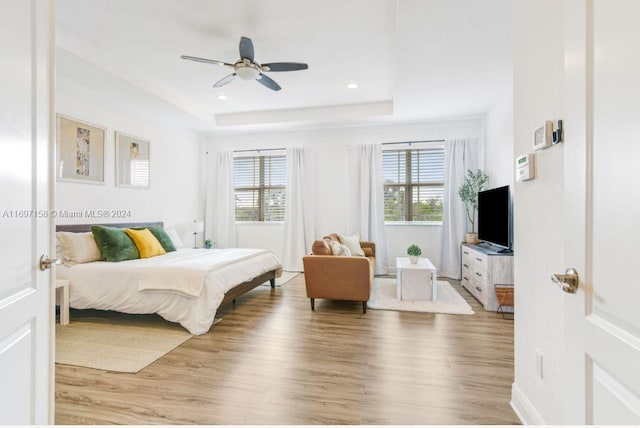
504	295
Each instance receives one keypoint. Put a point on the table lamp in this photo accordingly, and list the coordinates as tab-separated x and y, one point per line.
195	228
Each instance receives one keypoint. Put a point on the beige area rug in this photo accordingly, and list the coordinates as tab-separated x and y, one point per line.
383	296
110	343
286	277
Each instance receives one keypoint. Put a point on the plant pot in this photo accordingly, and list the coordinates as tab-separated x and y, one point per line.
471	238
414	259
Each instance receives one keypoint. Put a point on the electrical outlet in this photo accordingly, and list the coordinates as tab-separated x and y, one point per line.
539	364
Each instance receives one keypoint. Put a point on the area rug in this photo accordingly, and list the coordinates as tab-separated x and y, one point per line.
108	344
286	277
383	296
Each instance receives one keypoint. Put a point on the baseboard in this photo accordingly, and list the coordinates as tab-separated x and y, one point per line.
523	408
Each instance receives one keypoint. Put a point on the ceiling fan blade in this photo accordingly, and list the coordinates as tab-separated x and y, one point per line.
284	66
268	82
246	48
206	61
225	80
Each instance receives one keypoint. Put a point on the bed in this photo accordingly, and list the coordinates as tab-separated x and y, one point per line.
186	286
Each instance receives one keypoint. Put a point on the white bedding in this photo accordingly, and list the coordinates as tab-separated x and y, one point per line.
121	286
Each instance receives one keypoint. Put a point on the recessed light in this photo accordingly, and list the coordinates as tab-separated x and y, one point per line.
352	86
222	97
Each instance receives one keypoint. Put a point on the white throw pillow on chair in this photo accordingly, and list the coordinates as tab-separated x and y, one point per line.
353	243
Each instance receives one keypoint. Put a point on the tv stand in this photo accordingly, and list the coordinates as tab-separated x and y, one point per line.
484	267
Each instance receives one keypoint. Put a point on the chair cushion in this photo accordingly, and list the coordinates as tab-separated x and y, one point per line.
339	249
332	237
321	248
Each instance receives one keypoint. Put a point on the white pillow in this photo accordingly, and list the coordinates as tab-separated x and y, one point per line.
177	242
353	243
78	247
338	249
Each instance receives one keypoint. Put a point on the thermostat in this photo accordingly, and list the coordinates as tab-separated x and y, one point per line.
543	136
525	169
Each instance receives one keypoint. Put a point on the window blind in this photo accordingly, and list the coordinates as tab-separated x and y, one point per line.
260	187
413	184
139	172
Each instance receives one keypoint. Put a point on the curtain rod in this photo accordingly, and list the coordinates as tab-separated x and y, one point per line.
258	150
411	142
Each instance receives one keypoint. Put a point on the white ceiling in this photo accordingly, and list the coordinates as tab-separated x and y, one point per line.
412	59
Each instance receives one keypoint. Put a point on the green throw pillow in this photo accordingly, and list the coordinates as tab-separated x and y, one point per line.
161	236
114	244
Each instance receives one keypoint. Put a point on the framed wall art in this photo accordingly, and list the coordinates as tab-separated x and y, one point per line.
132	162
80	151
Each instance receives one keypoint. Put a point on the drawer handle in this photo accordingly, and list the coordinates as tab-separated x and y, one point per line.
466	252
465	265
479	274
478	288
466	278
478	259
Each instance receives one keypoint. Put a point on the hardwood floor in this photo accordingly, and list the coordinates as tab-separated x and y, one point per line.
271	360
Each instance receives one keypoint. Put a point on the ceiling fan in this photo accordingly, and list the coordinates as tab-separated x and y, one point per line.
247	69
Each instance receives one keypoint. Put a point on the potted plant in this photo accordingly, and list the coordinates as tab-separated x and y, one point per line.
208	243
414	253
474	182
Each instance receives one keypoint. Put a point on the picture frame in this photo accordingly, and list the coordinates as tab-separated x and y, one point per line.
80	151
133	161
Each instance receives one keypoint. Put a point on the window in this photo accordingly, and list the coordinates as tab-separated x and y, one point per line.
413	184
260	187
139	172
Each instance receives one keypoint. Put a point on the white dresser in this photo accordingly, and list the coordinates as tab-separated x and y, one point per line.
483	268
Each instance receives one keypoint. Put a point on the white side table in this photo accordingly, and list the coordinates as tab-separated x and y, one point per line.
62	296
416	281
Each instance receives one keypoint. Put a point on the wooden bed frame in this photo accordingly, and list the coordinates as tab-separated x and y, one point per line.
230	296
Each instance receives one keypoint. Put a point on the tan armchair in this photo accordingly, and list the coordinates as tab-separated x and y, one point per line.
340	277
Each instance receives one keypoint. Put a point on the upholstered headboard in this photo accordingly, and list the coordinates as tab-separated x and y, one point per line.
87	227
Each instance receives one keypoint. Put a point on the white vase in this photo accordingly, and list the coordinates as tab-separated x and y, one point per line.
414	259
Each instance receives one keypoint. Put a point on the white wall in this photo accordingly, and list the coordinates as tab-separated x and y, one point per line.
330	150
538	206
498	143
174	196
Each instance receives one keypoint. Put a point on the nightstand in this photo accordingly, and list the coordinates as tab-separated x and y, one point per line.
62	296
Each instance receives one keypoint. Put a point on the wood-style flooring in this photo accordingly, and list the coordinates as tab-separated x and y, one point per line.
271	360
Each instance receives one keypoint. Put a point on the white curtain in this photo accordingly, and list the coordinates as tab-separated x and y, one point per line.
220	214
366	201
460	156
299	209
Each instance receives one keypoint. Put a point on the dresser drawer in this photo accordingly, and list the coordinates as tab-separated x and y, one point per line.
467	279
480	261
480	276
467	253
467	263
480	282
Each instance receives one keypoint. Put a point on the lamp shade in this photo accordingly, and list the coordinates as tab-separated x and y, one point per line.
196	227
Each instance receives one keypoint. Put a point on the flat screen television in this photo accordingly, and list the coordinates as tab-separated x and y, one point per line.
494	217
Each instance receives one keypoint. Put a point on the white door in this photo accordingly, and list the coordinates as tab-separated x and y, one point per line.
602	187
25	291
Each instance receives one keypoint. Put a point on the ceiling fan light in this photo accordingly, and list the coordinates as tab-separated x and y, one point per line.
352	85
247	72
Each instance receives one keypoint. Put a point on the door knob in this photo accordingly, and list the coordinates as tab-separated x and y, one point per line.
568	282
46	262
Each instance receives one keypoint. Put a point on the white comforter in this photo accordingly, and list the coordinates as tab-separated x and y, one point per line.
128	286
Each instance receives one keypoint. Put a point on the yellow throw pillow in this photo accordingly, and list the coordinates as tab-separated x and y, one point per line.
147	244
